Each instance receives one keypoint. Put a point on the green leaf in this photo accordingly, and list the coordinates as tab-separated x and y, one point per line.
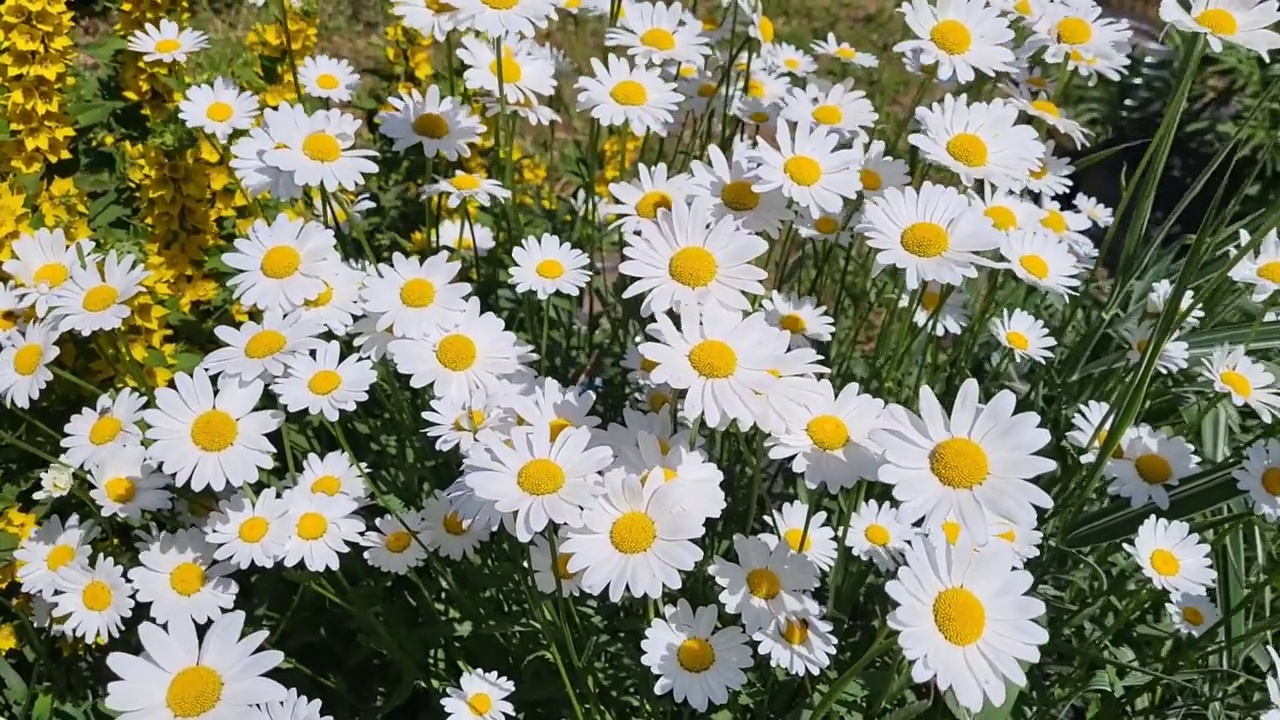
43	709
1258	336
104	50
91	113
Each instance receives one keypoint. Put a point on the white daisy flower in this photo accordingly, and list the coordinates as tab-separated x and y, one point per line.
548	265
440	125
218	109
24	363
960	36
694	661
167	43
1022	540
1152	463
1259	476
505	19
93	604
332	474
978	141
1052	174
1192	614
432	18
802	317
1158	298
619	94
395	547
1172	355
789	59
526	70
875	533
880	171
458	421
55	482
280	264
320	527
207	439
552	569
807	167
1173	557
844	52
1041	261
450	532
1260	268
1007	212
178	576
42	262
318	151
634	540
1245	380
801	646
1024	334
1076	30
261	351
414	298
546	405
765	584
465	186
52	552
249	152
480	694
1098	214
828	437
689	258
653	189
294	707
965	621
1091	423
1245	23
13	309
835	107
1041	107
469	238
659	34
178	675
323	382
932	234
790	525
126	485
248	531
976	464
95	434
328	78
731	184
939	308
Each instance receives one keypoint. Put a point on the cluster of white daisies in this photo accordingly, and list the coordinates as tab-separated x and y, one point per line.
620	508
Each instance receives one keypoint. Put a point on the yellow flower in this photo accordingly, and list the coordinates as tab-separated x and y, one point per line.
8	638
17	522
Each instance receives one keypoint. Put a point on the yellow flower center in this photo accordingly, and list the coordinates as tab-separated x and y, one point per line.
511	70
322	147
96	596
562	566
323	299
877	534
1165	563
828	432
500	5
120	490
28	358
312	526
558	426
550	269
629	93
1035	266
1193	616
264	344
99	298
695	655
803	170
929	300
952	37
828	115
480	703
59	556
1022	7
871	179
214	431
1055	221
925	239
105	430
398	541
1017	340
658	38
633	533
792	536
959	616
8	319
168	45
693	267
827	225
1153	469
453	524
951	531
219	111
465	182
417	293
194	692
764	583
469	421
713	359
324	382
845	53
959	463
253	529
1001	217
739	196
1271	480
1238	383
1074	31
707	89
430	125
1008	535
187	579
1270	271
327	81
1039	172
765	28
326	485
651	202
796	632
755	89
52	274
792	323
456	352
1218	21
968	149
280	262
540	476
658	400
1047	107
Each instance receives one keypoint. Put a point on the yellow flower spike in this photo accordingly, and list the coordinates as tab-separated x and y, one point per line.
8	638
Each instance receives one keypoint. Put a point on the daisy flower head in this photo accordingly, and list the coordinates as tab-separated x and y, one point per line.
659	34
1066	225
42	262
24	363
1024	334
1052	174
695	662
807	168
439	125
1098	214
765	583
1005	211
1158	298
450	531
319	151
1173	557
467	239
247	532
458	421
413	298
844	52
548	406
1042	261
249	154
323	382
975	464
13	309
965	621
547	265
52	552
524	72
1152	464
328	78
1241	22
1041	107
480	695
807	535
828	437
126	485
1091	423
803	318
177	575
789	59
834	107
1192	614
55	482
618	94
393	546
332	474
1259	476
730	182
932	234
508	19
280	264
338	306
538	479
688	258
551	569
474	351
654	189
261	351
94	434
210	439
167	42
880	171
294	707
92	604
960	37
634	540
180	675
1171	357
1245	380
219	108
875	533
464	186
939	308
799	645
1259	268
1076	30
320	527
432	18
978	140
